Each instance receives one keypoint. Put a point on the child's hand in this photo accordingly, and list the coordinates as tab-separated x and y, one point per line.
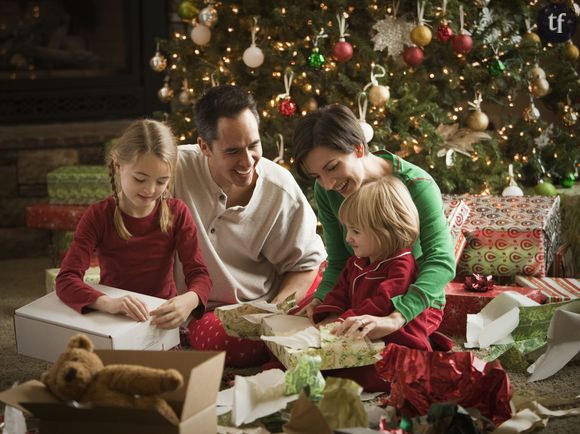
174	312
374	327
128	305
308	310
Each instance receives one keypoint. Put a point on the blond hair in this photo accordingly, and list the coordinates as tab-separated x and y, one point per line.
143	137
384	209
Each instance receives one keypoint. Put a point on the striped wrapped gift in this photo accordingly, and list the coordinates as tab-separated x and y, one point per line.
555	288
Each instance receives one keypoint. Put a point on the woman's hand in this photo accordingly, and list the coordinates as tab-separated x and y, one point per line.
128	305
308	310
175	311
374	327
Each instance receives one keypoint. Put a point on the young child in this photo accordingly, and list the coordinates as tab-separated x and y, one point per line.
135	233
382	223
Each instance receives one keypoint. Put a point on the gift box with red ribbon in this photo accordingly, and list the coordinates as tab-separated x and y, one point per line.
509	235
54	217
555	289
461	301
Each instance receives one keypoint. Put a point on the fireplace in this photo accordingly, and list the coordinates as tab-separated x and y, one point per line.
78	60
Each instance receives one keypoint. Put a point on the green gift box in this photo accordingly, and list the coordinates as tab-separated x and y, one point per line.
78	185
92	275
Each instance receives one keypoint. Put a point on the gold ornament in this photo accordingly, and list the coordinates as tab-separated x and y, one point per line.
536	73
570	116
421	35
571	51
478	121
158	62
379	95
531	113
540	87
532	36
165	94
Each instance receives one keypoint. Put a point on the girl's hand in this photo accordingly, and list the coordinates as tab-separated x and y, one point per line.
374	327
308	310
128	305
174	312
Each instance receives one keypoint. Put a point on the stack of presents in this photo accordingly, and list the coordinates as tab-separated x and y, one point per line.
506	308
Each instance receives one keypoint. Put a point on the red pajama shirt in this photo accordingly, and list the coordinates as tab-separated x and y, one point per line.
365	288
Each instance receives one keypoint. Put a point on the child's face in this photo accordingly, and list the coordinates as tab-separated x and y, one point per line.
362	243
143	181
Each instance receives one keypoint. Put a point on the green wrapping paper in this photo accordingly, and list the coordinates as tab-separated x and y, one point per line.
341	352
306	374
78	185
341	405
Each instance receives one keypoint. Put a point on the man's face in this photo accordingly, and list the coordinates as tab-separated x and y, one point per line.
235	152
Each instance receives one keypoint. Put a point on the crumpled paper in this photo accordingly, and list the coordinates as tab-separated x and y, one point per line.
421	378
341	405
306	374
306	418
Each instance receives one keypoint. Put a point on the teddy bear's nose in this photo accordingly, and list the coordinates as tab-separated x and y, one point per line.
70	375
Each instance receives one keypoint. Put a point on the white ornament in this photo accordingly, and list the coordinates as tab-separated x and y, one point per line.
367	130
200	34
393	34
512	189
253	56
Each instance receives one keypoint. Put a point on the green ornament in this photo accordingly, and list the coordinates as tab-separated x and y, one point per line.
496	67
316	59
545	188
187	10
568	180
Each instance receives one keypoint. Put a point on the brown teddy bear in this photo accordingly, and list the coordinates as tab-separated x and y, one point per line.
79	375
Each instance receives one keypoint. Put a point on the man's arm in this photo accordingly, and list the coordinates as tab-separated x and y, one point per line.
295	282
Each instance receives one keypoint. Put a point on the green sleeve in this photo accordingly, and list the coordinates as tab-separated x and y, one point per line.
338	252
436	261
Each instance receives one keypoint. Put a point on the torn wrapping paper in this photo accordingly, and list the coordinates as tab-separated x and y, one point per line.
496	321
563	342
255	397
306	418
243	320
341	405
554	288
306	375
335	351
421	378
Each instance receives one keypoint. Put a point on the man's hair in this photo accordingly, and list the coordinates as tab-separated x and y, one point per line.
333	126
221	101
384	209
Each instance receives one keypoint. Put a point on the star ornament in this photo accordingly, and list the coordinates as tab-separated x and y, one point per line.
393	34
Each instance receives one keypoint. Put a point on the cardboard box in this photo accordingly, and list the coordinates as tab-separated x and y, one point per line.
333	356
44	327
459	303
92	275
556	289
509	235
194	403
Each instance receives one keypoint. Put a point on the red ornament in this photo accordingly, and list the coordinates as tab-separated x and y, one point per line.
287	107
413	56
342	51
462	44
444	32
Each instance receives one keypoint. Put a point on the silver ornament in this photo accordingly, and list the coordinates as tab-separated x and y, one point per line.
570	116
531	113
165	94
208	16
158	62
185	97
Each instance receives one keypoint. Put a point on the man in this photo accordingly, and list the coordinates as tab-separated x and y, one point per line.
256	228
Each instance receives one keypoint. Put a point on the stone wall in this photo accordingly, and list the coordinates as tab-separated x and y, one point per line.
27	154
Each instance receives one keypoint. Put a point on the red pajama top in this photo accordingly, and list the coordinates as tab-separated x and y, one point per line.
142	264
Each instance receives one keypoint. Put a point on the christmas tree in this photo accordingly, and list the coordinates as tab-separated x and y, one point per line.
463	89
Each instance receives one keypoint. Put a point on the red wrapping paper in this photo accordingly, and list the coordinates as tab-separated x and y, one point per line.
54	217
421	378
459	303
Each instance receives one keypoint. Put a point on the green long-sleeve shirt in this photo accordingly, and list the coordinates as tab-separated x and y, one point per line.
433	250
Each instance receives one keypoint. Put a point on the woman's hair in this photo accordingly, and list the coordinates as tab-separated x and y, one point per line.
333	126
143	137
383	208
224	101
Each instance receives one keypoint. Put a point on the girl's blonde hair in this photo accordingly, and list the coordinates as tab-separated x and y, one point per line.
143	137
384	209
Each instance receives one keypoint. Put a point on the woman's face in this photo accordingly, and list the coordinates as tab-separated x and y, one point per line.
336	170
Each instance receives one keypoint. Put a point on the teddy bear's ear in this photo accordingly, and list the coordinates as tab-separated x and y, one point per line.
81	341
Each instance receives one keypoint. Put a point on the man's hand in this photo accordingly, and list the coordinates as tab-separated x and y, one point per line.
175	311
375	327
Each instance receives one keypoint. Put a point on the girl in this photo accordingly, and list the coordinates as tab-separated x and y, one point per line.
329	145
382	223
136	232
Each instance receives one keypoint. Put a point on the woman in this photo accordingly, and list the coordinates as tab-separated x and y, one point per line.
329	146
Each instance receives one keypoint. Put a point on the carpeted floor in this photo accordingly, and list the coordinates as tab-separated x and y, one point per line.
21	281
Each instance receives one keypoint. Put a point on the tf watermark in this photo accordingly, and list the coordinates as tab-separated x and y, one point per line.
556	23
